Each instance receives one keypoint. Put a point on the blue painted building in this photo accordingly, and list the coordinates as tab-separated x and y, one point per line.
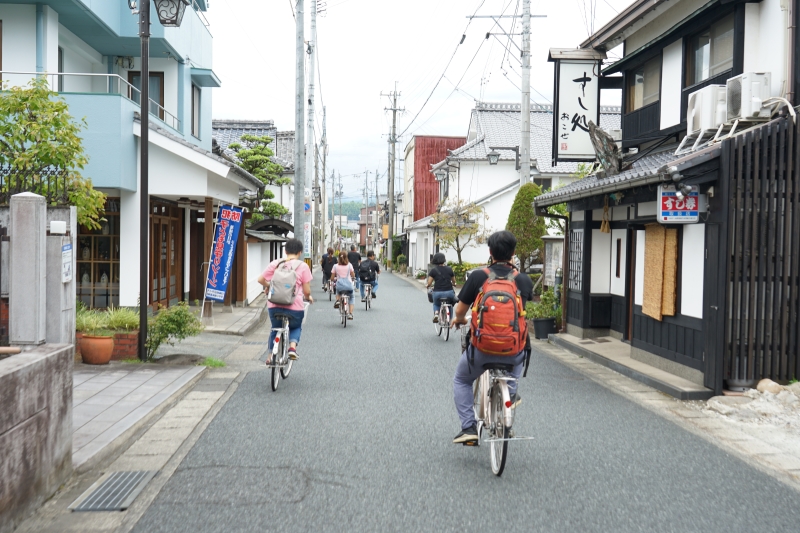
89	51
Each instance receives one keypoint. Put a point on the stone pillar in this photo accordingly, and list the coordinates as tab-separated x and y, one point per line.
208	236
27	272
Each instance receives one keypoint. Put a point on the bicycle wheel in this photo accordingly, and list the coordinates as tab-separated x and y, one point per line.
498	449
330	294
285	354
437	327
446	313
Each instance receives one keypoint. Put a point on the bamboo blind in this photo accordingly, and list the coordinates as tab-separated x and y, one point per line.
654	237
669	291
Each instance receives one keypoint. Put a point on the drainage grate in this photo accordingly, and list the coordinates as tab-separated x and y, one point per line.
586	342
602	340
116	493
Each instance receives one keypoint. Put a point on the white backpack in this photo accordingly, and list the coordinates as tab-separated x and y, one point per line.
283	286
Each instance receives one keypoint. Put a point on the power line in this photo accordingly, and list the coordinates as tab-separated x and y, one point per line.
445	69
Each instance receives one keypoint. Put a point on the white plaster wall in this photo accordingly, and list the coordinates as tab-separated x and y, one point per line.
638	298
618	283
171	175
646	209
671	75
577	216
129	244
19	41
223	189
660	21
601	262
255	253
765	42
478	179
692	269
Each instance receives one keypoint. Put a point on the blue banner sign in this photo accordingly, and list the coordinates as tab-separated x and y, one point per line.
223	250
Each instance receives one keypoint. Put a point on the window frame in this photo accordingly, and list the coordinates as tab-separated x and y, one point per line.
133	73
195	119
630	77
689	52
540	182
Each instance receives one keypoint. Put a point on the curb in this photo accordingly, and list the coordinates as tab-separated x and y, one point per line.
412	281
650	381
132	434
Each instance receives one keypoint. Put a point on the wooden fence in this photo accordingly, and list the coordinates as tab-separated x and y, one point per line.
762	319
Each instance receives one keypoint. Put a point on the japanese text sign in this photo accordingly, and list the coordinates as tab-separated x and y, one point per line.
577	102
674	209
223	250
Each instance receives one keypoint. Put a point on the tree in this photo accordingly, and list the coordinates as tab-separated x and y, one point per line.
558	224
526	226
460	224
255	156
38	135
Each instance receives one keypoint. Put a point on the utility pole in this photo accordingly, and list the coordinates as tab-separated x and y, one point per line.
375	234
525	137
311	151
333	206
299	119
393	141
323	219
340	192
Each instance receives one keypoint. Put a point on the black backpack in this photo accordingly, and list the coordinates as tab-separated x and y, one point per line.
365	272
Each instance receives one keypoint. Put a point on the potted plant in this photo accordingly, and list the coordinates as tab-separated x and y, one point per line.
97	341
545	314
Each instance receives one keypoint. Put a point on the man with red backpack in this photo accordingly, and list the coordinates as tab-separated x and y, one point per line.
498	330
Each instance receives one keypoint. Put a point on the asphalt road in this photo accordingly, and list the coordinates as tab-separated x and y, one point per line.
358	438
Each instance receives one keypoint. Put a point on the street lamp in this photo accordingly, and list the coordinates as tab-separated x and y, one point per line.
170	14
493	157
440	174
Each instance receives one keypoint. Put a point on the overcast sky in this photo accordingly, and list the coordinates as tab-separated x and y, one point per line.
365	46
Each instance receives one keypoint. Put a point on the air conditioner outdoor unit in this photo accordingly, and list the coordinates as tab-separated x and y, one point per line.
705	109
746	95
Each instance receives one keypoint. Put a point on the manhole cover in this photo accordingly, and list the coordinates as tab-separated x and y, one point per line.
116	493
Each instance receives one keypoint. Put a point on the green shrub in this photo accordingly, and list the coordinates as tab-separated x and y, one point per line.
122	318
534	278
171	325
402	260
547	307
213	362
420	274
460	270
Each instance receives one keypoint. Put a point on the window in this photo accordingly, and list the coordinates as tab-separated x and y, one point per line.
60	69
156	91
196	111
619	257
644	85
98	260
545	184
445	188
710	52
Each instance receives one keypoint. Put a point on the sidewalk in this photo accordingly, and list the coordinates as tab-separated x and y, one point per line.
238	322
111	402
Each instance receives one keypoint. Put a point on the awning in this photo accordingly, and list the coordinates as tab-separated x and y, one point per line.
205	77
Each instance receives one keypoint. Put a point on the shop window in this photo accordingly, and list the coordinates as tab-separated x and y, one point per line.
710	52
644	85
98	260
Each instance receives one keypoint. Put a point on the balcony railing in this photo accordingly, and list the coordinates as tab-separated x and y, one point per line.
114	84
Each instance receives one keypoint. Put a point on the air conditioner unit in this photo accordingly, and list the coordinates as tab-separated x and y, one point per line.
706	109
746	95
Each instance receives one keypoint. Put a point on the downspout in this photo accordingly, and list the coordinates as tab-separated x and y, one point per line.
542	212
792	40
39	38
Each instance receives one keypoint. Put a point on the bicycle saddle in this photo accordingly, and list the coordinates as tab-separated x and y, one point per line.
498	366
281	316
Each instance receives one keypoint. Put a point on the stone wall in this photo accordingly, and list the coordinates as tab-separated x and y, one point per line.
35	429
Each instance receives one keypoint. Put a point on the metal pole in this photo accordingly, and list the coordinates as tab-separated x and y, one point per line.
299	124
525	137
375	234
390	192
323	223
144	203
311	148
341	232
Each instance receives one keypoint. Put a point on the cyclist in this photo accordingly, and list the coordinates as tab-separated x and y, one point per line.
344	276
327	262
443	280
368	272
355	259
295	311
470	366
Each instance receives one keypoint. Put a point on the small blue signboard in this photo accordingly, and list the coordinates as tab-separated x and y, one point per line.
223	250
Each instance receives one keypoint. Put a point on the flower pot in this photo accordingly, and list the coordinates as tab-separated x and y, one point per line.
96	350
542	327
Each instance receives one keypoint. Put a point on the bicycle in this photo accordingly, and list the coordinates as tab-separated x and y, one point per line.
281	362
494	409
343	308
445	314
331	289
367	295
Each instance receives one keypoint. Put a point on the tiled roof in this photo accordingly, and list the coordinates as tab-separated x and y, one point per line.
644	170
498	124
226	132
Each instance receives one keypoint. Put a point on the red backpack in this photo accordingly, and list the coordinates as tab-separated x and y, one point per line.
498	324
